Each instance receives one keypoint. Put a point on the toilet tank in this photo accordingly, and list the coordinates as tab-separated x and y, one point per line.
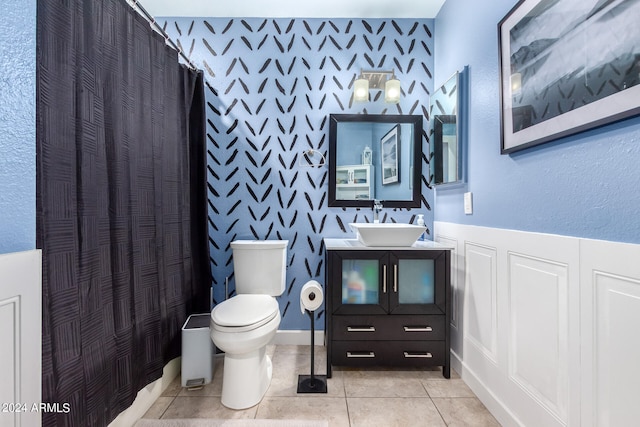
259	266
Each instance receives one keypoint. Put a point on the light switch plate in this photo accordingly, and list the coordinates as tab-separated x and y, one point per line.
468	203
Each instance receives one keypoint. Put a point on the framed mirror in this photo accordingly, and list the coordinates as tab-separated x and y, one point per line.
445	148
375	157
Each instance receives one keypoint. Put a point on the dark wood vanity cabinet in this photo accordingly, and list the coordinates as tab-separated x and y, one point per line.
388	307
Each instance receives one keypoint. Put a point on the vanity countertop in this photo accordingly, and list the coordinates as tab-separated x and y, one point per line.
355	244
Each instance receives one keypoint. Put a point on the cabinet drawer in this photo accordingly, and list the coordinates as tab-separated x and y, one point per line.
388	327
388	353
417	353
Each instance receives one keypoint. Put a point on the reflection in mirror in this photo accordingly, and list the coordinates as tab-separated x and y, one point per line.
445	152
375	157
445	157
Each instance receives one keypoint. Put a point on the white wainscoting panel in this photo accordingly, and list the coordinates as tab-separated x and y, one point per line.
9	357
610	275
542	322
481	321
20	338
538	305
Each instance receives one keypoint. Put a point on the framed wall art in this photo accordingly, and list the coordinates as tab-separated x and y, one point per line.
567	66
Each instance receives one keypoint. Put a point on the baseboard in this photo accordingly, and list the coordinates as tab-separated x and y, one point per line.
298	337
147	396
497	408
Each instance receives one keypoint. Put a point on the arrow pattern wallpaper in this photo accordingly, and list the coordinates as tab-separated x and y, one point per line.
270	87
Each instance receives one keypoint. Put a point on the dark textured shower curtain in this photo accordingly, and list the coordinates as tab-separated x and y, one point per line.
121	208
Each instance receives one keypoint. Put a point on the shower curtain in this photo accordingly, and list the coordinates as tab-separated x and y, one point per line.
121	206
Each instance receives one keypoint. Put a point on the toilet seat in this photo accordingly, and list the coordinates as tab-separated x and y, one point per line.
244	313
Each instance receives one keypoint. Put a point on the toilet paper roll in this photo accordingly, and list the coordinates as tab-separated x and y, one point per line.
311	296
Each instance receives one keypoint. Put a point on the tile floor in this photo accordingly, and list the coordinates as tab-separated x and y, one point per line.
355	397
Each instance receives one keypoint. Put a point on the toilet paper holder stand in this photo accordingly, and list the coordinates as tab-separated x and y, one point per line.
312	383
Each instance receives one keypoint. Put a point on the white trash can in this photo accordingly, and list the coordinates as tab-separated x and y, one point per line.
197	351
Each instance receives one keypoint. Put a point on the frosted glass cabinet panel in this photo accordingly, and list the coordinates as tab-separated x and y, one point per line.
416	281
360	284
360	281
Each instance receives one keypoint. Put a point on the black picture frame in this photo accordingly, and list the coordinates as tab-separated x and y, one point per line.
566	66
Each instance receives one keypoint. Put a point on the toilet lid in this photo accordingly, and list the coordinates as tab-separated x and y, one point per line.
245	310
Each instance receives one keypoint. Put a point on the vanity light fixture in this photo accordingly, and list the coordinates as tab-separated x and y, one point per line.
381	80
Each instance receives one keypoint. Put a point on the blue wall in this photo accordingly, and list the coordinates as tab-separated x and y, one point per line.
272	84
584	185
17	126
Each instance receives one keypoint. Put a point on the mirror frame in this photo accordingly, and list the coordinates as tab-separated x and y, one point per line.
415	120
442	113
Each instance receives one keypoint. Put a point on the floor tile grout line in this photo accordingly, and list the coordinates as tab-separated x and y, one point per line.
422	382
173	399
439	413
437	409
346	402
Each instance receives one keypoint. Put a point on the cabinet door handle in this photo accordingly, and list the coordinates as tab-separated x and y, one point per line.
418	329
365	354
395	278
361	329
426	355
384	278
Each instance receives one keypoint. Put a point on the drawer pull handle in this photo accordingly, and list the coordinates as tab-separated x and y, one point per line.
418	329
369	354
361	329
426	355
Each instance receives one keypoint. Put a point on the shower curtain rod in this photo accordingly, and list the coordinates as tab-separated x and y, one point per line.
135	4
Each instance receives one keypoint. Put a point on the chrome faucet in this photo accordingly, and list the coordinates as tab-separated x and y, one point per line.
377	207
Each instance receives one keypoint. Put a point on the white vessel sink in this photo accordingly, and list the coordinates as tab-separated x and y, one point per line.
387	234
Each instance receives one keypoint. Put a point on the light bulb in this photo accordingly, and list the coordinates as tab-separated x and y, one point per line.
392	91
361	90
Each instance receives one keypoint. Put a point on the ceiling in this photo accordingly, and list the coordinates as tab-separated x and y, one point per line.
294	8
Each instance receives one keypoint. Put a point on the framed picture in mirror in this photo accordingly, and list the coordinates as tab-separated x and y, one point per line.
389	156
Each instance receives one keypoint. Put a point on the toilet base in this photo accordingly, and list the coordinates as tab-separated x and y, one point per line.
246	378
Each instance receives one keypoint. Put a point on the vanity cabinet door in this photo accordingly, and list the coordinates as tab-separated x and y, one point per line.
418	282
359	282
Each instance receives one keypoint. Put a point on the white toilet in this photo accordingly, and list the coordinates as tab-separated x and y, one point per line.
243	325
